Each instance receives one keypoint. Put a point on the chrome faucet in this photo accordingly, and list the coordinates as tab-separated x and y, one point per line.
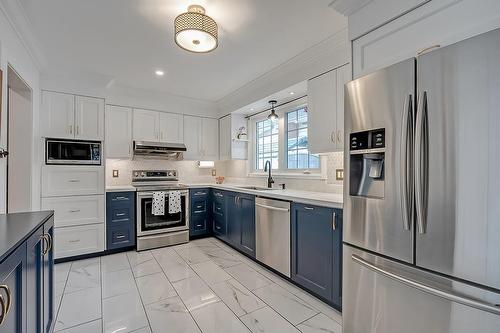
267	168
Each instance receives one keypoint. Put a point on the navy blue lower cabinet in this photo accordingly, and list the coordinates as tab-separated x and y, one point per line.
200	212
120	220
36	246
246	216
316	250
233	219
48	278
13	290
219	220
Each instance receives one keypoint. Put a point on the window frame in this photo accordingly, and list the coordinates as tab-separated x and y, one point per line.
282	169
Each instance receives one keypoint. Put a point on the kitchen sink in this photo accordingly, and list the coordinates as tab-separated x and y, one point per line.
256	188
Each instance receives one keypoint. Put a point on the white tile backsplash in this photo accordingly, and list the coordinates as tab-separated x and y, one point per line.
234	171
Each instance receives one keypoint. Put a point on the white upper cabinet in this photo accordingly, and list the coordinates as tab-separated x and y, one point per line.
322	115
58	115
146	125
68	116
192	137
230	147
326	110
344	75
210	139
171	127
201	137
434	23
118	132
89	118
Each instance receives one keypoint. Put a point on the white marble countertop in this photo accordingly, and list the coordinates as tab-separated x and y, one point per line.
332	200
120	188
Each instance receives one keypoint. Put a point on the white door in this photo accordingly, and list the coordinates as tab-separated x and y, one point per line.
343	76
146	125
322	113
210	139
89	118
192	137
171	127
118	132
58	115
225	138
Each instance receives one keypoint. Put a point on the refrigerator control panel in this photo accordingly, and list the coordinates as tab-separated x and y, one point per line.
372	139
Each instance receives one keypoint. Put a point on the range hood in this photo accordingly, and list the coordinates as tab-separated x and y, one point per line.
159	150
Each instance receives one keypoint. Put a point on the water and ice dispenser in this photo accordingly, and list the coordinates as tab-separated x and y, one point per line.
367	158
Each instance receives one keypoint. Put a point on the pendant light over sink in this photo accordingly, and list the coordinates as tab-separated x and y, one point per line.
272	115
195	31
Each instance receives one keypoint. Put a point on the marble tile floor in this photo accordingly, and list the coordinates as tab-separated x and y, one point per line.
203	286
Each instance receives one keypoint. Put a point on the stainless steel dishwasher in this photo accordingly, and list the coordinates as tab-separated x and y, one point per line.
272	234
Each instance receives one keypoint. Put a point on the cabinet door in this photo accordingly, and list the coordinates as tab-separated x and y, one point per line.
71	180
246	216
89	118
322	113
58	115
48	278
312	248
36	245
343	76
13	285
225	138
233	219
146	125
210	139
118	132
171	127
193	137
76	210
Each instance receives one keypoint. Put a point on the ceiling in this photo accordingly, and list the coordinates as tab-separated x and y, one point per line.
127	40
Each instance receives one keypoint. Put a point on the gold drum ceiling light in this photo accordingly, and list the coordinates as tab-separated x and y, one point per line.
195	31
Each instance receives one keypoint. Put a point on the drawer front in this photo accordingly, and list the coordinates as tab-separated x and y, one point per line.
120	214
73	241
77	210
120	237
220	226
199	206
218	196
60	181
199	226
120	197
218	209
199	193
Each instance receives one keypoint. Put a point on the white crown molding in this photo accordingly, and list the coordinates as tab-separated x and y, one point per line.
326	55
348	7
16	15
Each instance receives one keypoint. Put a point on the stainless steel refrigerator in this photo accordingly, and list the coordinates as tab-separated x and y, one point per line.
422	194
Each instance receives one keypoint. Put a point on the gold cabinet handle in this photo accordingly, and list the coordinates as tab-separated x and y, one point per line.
9	298
51	242
334	221
45	246
2	314
70	129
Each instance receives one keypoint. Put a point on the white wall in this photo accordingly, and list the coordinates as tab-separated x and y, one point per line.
333	52
15	52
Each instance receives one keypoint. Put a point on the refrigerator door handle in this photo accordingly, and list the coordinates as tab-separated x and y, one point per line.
421	162
451	296
406	159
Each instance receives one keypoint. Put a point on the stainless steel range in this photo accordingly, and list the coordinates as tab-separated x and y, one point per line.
160	230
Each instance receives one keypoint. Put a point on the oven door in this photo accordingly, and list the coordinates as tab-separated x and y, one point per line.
149	224
73	152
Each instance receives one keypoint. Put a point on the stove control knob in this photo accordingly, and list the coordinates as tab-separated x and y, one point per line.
143	174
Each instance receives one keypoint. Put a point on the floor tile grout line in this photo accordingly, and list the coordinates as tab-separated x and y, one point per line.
81	324
178	296
62	295
139	293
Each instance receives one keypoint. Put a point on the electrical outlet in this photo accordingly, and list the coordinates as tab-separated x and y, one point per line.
214	172
339	174
116	173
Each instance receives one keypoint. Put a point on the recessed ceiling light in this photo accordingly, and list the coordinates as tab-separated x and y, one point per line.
159	73
251	109
292	93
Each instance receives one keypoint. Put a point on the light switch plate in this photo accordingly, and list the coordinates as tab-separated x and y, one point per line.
339	174
116	173
214	172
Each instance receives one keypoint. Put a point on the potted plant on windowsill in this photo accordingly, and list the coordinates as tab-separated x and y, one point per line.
242	133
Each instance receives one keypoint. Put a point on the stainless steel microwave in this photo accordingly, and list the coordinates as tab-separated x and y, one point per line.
65	152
